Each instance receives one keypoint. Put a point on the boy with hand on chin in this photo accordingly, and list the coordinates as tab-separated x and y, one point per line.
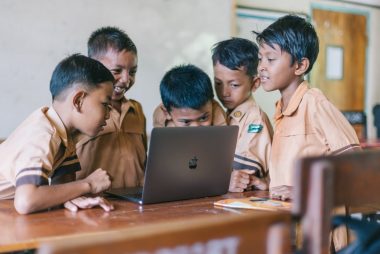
306	122
120	148
187	99
39	162
235	79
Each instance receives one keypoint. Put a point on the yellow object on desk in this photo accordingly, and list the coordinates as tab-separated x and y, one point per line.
254	203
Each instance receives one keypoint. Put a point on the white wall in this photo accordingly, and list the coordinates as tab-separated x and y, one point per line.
372	95
36	35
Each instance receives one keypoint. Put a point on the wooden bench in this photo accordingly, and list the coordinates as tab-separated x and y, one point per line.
248	233
323	183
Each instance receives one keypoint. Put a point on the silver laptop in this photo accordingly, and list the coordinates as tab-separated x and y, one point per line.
185	163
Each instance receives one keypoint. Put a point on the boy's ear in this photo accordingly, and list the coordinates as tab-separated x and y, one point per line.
302	66
166	112
78	99
255	83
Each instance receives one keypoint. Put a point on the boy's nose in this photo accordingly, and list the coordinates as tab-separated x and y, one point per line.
260	67
125	78
195	124
226	92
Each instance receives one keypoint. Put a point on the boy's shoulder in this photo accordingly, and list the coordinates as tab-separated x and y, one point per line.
42	128
315	94
250	110
43	121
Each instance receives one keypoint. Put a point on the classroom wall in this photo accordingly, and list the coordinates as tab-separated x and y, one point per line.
36	35
372	94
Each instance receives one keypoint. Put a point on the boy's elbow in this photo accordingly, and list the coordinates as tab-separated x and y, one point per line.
24	202
23	206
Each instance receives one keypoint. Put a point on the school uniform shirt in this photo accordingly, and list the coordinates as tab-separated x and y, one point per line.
37	151
311	125
218	116
120	149
254	138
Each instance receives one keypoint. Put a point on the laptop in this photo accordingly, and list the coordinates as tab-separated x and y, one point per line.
185	163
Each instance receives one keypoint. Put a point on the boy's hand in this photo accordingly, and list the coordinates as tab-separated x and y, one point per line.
99	181
258	183
88	202
240	180
282	192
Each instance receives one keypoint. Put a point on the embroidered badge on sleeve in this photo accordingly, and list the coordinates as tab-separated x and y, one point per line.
255	128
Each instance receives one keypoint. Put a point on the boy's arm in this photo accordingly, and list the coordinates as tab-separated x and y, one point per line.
30	198
252	155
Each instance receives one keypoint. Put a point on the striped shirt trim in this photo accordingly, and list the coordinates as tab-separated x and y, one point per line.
35	176
66	169
346	148
245	159
239	166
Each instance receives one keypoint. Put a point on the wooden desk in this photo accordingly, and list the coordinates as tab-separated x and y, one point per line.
28	231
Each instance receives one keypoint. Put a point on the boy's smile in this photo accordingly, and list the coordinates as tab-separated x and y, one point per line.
123	66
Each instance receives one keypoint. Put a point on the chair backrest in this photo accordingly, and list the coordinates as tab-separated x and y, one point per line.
251	233
358	120
376	118
322	183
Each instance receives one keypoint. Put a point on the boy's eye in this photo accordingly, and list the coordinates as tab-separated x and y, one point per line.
132	72
116	71
203	118
217	83
235	85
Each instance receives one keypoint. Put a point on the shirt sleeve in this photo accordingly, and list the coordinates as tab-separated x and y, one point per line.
254	145
33	164
334	129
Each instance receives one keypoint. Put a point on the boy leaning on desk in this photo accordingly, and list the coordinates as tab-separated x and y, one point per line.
38	160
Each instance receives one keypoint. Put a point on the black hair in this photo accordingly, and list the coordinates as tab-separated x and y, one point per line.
185	86
294	35
78	70
109	37
236	53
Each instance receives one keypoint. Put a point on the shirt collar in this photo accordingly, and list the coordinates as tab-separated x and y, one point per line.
293	103
56	121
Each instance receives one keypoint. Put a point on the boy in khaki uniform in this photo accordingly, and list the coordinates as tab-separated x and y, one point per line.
38	160
120	148
187	100
306	122
235	68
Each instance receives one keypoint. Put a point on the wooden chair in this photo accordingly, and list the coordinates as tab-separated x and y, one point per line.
322	183
249	233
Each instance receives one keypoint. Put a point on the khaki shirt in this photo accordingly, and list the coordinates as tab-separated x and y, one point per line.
254	138
310	126
120	148
38	150
218	116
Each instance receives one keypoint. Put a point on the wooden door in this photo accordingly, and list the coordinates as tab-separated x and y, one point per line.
344	34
